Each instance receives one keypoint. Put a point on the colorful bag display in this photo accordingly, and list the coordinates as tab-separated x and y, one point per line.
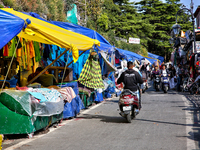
91	74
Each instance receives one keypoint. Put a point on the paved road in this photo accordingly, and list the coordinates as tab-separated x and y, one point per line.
161	125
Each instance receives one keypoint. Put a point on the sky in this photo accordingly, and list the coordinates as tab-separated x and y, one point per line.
185	2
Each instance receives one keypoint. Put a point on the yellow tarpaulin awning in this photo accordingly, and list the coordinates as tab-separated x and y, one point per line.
47	33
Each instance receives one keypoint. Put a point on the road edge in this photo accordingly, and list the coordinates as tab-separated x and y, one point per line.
52	129
189	120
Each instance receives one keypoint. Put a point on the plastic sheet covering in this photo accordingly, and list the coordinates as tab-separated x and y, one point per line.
10	26
72	15
98	97
25	104
109	66
19	103
108	83
51	102
47	108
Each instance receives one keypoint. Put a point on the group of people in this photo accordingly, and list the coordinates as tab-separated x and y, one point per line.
45	79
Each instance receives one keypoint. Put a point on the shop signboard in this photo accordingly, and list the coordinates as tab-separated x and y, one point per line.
198	46
134	40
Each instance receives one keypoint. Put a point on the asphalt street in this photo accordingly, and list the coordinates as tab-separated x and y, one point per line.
162	124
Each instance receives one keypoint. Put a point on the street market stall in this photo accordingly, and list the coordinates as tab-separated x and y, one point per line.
27	105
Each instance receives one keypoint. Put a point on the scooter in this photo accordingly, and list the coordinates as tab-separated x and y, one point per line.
157	82
144	86
129	105
165	82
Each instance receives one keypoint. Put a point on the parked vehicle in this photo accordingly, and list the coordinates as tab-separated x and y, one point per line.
128	104
165	82
194	88
187	82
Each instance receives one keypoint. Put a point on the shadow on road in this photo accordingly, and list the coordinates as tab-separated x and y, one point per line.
193	108
164	122
195	111
107	119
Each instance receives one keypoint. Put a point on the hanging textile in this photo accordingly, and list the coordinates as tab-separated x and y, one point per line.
91	74
37	51
5	49
109	67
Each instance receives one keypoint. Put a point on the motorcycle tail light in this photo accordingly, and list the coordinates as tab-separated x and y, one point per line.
126	102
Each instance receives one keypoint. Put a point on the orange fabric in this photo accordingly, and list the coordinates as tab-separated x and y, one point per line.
31	49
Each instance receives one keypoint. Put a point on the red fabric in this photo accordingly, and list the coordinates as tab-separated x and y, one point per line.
22	88
119	86
6	50
160	67
117	61
198	63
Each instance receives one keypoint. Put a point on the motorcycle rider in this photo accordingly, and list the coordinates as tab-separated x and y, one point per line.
154	73
164	71
131	78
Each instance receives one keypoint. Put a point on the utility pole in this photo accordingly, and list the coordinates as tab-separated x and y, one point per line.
85	13
193	22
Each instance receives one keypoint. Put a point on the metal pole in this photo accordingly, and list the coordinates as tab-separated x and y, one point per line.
85	12
193	23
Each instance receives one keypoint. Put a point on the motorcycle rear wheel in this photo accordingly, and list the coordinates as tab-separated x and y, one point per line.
128	118
133	114
165	89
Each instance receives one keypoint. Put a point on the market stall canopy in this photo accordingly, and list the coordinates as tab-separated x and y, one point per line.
81	30
151	60
156	57
105	45
41	31
145	60
128	55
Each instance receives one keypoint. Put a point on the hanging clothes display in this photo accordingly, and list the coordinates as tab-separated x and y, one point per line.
91	73
37	51
5	50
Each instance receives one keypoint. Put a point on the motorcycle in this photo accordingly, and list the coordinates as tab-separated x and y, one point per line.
165	82
128	104
144	86
157	82
186	83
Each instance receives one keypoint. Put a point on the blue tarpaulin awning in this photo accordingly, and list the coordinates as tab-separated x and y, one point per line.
10	26
128	55
160	58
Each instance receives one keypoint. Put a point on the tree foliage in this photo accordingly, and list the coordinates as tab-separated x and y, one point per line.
48	9
149	20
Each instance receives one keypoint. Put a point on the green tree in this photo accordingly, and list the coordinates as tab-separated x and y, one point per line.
161	16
